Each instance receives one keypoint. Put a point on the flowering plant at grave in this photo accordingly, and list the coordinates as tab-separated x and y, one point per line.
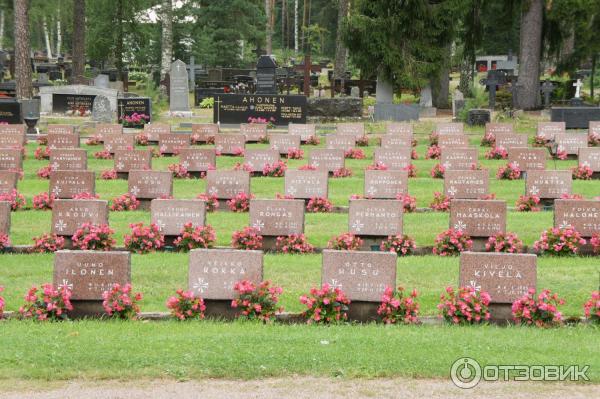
16	199
53	304
293	244
240	203
156	153
276	169
248	239
307	167
411	169
104	154
595	241
43	201
44	172
440	203
237	152
47	243
488	197
591	308
93	237
362	141
541	312
401	244
433	152
582	173
186	306
504	242
125	202
377	166
284	197
212	203
264	139
410	203
141	139
135	119
413	154
345	242
178	170
567	196
466	306
4	241
257	303
313	140
42	153
396	308
93	140
488	140
496	153
354	153
242	166
509	172
295	153
325	305
528	203
144	239
319	205
433	138
452	242
560	154
85	196
342	172
108	174
196	138
540	141
559	242
594	140
192	237
121	303
42	140
1	303
437	172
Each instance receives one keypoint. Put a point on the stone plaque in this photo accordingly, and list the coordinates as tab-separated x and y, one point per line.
135	105
326	159
61	129
179	87
89	273
394	159
355	129
280	110
396	141
305	131
126	160
385	184
371	217
363	276
12	140
68	215
284	142
403	129
506	277
466	184
593	128
230	143
548	184
226	184
170	215
256	159
101	109
583	215
171	143
590	157
103	129
570	142
150	184
274	217
5	208
448	140
68	159
495	128
60	140
528	158
152	130
549	129
510	140
306	184
340	141
198	159
204	131
214	272
253	131
450	128
459	158
478	218
8	181
13	129
67	183
119	142
11	159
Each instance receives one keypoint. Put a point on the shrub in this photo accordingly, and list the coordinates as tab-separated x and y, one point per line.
559	242
451	242
397	308
313	140
377	166
504	242
1	303
257	303
44	172
85	196
192	237
496	153
528	203
591	308
567	196
433	152
345	242
413	154
240	203
144	239
595	241
410	203
207	102
42	153
47	243
276	169
325	305
4	241
412	170
542	312
248	239
362	141
104	154
319	205
186	306
488	140
16	199
179	171
355	153
295	153
212	203
440	202
293	244
342	172
93	237
121	303
509	172
141	139
125	202
53	304
401	244
43	201
467	306
437	172
109	174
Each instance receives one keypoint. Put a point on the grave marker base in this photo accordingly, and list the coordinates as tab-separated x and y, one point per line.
362	311
500	313
219	309
144	204
123	175
83	309
371	243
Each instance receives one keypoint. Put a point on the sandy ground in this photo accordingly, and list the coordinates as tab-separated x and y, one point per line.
296	388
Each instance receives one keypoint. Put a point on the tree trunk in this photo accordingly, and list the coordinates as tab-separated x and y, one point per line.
340	49
166	43
296	26
58	33
47	38
594	56
304	23
466	77
269	27
78	41
440	84
22	56
119	43
528	84
283	23
1	28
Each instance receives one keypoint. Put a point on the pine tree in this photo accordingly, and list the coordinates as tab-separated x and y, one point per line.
22	59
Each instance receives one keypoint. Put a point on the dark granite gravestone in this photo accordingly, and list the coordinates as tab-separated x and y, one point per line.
394	159
305	131
67	183
353	128
119	142
253	131
547	130
11	159
575	117
450	128
528	158
60	140
466	184
329	160
68	159
230	143
171	143
63	103
197	160
127	160
396	140
510	140
590	157
570	142
68	215
275	217
548	184
257	159
134	105
279	110
266	81
451	140
61	129
170	215
459	158
371	217
478	218
226	184
10	111
152	130
396	112
204	132
5	216
385	184
284	142
8	181
306	184
478	117
150	184
340	141
582	215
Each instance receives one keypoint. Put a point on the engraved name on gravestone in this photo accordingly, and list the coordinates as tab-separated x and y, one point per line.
214	272
306	184
8	181
450	128
253	131
67	183
549	184
340	141
582	215
257	159
355	129
171	143
118	142
11	159
226	184
590	157
506	277
371	217
12	140
594	128
510	140
394	159
403	129
327	159
273	217
284	142
478	218
466	184
363	276
89	273
528	159
459	158
547	130
230	143
152	130
68	215
68	159
13	129
204	131
448	140
5	215
495	128
60	140
385	184
198	159
570	142
170	215
60	129
150	184
103	129
305	131
179	87
396	140
126	160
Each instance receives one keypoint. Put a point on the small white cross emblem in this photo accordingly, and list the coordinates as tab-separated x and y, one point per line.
258	225
452	191
135	190
473	284
335	284
219	148
292	190
60	225
372	190
56	190
163	148
161	225
357	226
108	147
213	191
54	166
120	165
66	284
201	285
565	224
185	164
534	190
446	165
460	226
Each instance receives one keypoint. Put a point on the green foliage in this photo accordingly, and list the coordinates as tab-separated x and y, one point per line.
208	102
503	99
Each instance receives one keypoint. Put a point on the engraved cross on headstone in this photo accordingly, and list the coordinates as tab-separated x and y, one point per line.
578	85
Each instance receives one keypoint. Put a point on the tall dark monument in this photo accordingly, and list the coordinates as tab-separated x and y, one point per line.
266	81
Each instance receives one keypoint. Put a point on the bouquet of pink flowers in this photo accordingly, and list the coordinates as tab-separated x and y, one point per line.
257	303
186	305
192	237
52	304
94	237
293	244
541	312
325	305
249	239
559	242
345	242
121	303
452	242
466	306
396	308
144	239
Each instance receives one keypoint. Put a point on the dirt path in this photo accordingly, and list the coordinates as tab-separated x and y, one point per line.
296	388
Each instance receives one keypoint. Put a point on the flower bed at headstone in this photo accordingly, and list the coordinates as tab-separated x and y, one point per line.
437	172
540	312
440	202
591	308
125	202
141	139
313	140
362	141
488	140
354	153
240	203
582	173
121	303
401	244
346	242
342	172
467	306
433	152
43	201
94	237
42	153
452	242
1	303
410	203
559	242
193	237
276	169
144	239
412	170
86	196
295	153
325	305
48	243
528	203
109	174
504	242
319	205
293	244
509	172
186	306
179	171
44	172
398	308
257	303
595	241
16	199
104	154
496	153
49	304
247	239
212	203
377	166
